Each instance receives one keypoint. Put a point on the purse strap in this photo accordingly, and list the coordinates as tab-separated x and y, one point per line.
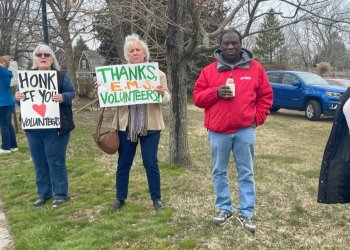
99	124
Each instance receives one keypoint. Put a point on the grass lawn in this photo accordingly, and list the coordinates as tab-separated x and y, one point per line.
288	155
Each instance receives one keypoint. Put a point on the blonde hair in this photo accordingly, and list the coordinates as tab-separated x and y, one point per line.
43	48
5	60
134	38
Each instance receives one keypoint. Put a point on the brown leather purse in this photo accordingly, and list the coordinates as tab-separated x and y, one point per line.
108	141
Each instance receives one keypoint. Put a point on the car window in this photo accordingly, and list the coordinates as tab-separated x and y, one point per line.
274	77
312	79
345	83
288	79
331	82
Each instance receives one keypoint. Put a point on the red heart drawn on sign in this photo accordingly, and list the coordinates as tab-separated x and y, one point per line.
40	109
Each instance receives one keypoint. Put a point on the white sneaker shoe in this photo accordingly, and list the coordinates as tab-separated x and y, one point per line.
13	149
247	223
3	151
222	217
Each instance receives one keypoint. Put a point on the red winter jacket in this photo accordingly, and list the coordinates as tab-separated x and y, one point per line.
251	103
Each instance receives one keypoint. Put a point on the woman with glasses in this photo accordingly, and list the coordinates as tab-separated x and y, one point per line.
48	146
7	102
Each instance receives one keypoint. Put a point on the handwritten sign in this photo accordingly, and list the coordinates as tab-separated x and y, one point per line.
128	84
37	108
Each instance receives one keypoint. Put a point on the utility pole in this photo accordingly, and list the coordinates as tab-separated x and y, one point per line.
45	26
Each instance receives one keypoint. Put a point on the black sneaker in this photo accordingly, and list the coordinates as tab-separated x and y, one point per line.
58	201
157	204
117	204
247	223
222	217
40	202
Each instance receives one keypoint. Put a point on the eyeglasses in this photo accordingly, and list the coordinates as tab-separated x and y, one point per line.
43	54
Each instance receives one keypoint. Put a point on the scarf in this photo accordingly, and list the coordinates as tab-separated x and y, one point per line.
137	121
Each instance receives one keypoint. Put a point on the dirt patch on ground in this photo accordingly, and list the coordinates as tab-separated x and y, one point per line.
5	238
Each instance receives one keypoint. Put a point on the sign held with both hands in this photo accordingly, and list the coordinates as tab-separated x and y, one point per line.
37	108
128	84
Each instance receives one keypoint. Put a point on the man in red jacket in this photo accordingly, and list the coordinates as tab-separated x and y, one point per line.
236	96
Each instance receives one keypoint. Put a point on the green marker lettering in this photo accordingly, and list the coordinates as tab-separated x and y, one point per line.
102	71
151	75
141	73
103	97
123	72
132	73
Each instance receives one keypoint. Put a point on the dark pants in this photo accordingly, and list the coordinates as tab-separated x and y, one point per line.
48	151
8	134
127	150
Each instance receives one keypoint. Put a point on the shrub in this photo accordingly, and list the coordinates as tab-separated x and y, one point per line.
323	68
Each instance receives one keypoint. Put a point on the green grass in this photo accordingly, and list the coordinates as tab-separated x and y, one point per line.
288	154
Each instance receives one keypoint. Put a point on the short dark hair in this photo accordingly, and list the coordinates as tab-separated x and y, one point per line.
230	30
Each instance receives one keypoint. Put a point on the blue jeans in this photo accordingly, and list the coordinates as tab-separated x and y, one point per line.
8	134
241	143
48	151
149	150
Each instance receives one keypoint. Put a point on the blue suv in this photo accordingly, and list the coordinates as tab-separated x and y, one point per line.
304	91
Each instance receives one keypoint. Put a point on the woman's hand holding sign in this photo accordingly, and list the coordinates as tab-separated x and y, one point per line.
19	96
57	98
160	89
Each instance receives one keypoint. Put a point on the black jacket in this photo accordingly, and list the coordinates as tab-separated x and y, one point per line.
334	183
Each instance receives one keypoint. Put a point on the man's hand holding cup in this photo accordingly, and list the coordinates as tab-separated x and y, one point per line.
225	92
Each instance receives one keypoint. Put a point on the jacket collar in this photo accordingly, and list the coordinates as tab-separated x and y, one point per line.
246	57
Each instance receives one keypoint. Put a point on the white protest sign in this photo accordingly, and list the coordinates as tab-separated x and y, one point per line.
128	84
37	108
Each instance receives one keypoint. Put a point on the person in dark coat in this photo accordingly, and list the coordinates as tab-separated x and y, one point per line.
48	146
334	184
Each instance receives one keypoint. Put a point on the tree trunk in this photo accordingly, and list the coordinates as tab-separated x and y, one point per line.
69	56
178	141
8	11
117	29
64	21
118	37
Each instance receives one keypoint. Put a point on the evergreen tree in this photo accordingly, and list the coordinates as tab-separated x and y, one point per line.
108	47
269	43
78	49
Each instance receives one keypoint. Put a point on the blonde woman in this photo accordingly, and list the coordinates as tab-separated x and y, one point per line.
142	124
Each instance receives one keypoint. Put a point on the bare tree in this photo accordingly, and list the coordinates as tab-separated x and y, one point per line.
64	14
301	47
176	56
11	13
321	38
116	27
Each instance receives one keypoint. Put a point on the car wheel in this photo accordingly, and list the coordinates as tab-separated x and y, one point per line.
313	110
274	109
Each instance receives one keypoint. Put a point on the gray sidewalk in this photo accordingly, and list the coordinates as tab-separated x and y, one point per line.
5	238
